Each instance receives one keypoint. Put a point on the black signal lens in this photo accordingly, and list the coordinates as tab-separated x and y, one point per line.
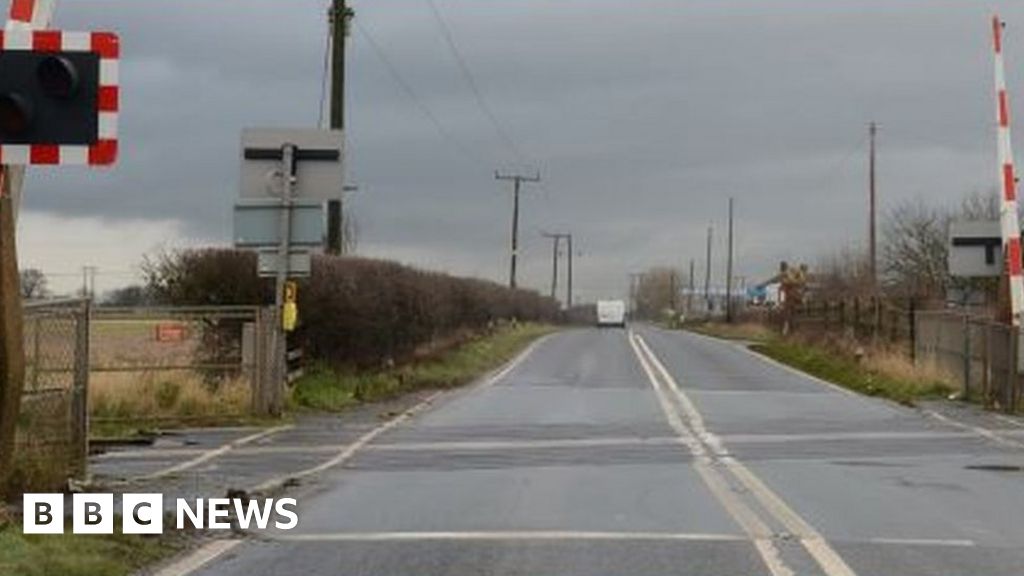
15	114
58	77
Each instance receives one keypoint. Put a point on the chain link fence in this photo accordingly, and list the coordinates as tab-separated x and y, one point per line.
980	354
102	372
52	432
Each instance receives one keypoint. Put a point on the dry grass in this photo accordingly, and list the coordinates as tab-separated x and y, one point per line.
133	343
879	370
896	364
165	396
154	395
747	331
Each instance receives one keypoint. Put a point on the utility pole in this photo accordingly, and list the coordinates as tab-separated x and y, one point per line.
728	271
12	351
338	16
707	273
12	343
634	292
872	218
689	297
568	291
517	181
556	240
89	282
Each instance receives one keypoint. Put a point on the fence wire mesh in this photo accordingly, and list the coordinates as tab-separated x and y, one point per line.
52	433
980	354
183	364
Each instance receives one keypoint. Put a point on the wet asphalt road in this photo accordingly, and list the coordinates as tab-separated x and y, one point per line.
664	453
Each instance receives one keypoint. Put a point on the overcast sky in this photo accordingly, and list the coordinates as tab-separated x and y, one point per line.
642	117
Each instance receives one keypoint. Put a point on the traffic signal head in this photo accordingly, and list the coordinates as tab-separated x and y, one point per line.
58	97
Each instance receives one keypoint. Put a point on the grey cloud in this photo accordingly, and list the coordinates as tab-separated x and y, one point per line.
643	117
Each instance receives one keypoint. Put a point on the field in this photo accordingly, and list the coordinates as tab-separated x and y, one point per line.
138	382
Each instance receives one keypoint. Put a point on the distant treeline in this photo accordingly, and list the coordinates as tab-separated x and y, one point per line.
353	311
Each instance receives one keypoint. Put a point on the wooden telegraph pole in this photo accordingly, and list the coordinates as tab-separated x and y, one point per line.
12	353
24	15
339	15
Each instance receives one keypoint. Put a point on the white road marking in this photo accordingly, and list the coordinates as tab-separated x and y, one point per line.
346	452
211	454
743	515
556	535
777	364
842	436
1015	422
984	432
953	543
199	558
502	445
815	544
207	553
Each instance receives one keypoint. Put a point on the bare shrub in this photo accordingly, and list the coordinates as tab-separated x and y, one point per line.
352	310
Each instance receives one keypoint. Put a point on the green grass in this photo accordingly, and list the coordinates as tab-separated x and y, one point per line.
745	331
81	555
861	377
326	389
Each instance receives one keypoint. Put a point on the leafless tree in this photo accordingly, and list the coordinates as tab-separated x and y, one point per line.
914	251
658	292
34	284
841	275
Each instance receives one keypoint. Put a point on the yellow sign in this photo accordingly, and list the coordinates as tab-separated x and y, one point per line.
290	310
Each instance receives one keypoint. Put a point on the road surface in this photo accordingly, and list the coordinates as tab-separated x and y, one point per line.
647	452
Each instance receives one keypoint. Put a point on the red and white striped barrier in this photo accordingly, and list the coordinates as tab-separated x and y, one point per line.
1010	225
107	47
30	14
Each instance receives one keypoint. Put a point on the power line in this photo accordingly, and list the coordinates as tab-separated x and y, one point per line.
411	94
467	76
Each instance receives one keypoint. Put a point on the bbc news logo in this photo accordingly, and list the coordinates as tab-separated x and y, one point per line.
144	513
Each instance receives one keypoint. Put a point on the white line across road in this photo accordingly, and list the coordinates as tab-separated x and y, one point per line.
199	558
204	555
752	525
213	453
684	417
538	535
346	452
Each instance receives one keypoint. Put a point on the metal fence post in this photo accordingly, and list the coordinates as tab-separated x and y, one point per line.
912	317
80	389
967	356
268	385
1011	367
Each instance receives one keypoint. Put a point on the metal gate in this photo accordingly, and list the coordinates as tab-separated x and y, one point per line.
52	431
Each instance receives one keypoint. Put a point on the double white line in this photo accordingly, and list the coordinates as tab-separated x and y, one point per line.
720	471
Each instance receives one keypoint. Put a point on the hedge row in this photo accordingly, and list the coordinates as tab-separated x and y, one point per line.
352	310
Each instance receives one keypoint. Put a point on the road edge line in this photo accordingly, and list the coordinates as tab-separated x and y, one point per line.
198	558
740	513
815	544
212	453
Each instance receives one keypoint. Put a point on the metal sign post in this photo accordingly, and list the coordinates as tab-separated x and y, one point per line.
286	175
280	336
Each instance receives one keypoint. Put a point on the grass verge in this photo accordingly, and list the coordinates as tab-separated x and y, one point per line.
79	554
330	390
746	331
880	372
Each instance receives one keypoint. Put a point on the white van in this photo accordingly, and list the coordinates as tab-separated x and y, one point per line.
611	313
